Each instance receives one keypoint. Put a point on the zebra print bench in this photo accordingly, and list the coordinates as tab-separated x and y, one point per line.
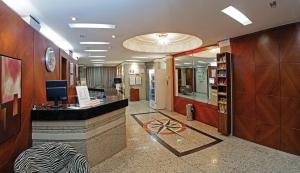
51	158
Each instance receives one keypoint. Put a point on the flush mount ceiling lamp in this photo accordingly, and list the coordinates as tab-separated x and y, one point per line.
162	39
237	15
96	56
94	43
92	26
165	42
94	50
132	60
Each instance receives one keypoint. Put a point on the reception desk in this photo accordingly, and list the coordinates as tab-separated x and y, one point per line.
96	131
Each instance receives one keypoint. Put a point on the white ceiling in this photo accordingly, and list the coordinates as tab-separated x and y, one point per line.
202	18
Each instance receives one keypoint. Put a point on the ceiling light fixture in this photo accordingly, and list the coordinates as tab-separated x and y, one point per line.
214	50
96	56
133	60
237	15
113	36
97	60
93	50
93	42
73	18
187	63
163	39
92	26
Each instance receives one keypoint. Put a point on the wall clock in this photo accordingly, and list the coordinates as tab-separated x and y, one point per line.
50	59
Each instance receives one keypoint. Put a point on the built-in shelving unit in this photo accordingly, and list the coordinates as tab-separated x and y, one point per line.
224	92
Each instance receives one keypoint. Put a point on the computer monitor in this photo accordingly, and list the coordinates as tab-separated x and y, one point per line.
56	90
117	80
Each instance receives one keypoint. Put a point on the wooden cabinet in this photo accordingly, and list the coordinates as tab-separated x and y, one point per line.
134	94
224	92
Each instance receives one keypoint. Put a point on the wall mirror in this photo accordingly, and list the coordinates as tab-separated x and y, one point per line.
195	75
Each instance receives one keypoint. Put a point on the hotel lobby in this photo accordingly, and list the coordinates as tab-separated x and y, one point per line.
142	86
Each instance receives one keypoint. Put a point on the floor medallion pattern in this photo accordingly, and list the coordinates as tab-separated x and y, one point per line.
178	137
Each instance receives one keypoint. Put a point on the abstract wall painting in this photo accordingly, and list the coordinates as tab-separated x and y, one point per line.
10	97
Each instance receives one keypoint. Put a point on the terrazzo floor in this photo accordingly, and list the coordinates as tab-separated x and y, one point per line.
233	155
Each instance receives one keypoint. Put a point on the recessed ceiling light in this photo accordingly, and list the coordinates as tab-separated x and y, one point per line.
96	60
98	64
237	15
92	26
93	50
113	36
142	57
133	60
187	63
96	56
73	18
94	42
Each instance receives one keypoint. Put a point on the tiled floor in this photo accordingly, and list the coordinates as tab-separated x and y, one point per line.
145	155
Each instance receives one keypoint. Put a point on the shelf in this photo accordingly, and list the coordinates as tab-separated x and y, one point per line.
222	94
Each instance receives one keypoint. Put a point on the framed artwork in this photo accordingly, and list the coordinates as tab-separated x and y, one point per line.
71	68
138	80
131	80
10	97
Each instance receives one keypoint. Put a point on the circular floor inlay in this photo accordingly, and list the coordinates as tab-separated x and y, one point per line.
164	126
163	43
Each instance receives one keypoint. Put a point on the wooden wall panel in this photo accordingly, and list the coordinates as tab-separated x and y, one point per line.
290	88
16	40
266	87
40	72
71	89
19	40
204	112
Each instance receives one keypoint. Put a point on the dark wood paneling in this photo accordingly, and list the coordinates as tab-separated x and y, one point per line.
290	44
244	78
244	104
272	119
244	127
40	72
71	88
267	80
268	109
290	80
19	40
204	112
290	112
16	40
243	52
266	48
290	140
268	135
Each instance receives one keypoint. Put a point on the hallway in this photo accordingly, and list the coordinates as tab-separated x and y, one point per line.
144	153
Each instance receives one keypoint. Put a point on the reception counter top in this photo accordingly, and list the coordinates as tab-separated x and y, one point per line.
73	112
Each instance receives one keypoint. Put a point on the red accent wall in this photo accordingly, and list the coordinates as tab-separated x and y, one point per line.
204	112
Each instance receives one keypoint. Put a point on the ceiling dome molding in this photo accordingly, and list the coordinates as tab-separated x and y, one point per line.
163	43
